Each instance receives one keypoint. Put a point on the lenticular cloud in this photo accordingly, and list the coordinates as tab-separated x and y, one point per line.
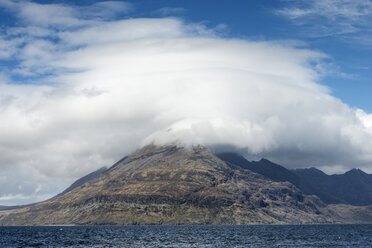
115	86
174	82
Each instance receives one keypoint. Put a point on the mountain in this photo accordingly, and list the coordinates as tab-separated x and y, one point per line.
278	173
353	187
175	185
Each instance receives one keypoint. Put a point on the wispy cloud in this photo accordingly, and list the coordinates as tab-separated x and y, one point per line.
105	10
168	11
329	17
62	16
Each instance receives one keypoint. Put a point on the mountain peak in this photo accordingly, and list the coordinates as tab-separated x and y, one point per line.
310	171
355	171
159	156
152	149
264	160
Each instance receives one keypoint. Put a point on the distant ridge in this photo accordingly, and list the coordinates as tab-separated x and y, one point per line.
353	187
277	173
266	168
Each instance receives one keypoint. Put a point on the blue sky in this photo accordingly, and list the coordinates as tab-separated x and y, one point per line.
84	83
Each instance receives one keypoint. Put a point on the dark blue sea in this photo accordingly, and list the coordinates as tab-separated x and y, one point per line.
188	236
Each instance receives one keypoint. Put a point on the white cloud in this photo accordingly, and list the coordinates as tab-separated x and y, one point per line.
102	91
330	17
7	48
45	14
330	9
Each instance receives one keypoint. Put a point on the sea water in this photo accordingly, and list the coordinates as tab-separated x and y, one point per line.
188	236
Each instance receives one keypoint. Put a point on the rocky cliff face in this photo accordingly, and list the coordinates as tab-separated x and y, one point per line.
173	185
